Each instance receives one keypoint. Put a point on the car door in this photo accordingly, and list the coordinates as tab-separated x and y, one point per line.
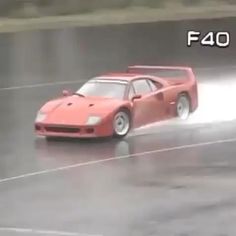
160	95
148	108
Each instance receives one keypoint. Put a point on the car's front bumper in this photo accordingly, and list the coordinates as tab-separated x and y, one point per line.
55	130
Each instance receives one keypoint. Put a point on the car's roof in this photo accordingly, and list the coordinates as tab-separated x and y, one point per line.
120	76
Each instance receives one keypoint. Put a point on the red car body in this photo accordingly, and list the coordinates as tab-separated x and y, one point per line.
68	116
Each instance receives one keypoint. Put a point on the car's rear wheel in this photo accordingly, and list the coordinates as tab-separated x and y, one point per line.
183	106
121	123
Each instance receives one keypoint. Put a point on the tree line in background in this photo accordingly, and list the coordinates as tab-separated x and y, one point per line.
37	8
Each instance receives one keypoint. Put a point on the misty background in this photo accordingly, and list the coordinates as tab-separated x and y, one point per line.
39	8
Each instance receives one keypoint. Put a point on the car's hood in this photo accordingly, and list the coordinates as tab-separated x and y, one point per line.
76	110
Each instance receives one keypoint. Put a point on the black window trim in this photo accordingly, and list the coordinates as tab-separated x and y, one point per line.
155	82
131	87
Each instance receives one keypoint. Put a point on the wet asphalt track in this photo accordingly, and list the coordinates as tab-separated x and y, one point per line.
172	179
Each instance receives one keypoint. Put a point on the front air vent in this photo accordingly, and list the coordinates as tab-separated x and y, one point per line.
56	129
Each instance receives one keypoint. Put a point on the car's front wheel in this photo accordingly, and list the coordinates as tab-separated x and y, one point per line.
121	123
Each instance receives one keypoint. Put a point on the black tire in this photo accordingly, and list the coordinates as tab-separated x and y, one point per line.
183	106
121	123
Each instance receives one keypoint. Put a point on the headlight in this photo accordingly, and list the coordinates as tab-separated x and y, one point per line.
93	120
40	117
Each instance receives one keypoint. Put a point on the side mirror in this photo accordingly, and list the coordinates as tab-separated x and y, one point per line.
136	97
65	93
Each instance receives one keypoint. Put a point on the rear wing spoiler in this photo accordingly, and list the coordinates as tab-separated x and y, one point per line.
174	73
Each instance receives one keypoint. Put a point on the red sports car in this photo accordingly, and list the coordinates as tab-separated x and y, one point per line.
113	104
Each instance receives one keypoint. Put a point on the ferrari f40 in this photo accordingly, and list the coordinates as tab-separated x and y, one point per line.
113	104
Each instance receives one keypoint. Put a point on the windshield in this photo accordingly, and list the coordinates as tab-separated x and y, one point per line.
103	89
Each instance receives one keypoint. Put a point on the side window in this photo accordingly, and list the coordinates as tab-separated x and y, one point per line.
131	92
141	87
154	85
